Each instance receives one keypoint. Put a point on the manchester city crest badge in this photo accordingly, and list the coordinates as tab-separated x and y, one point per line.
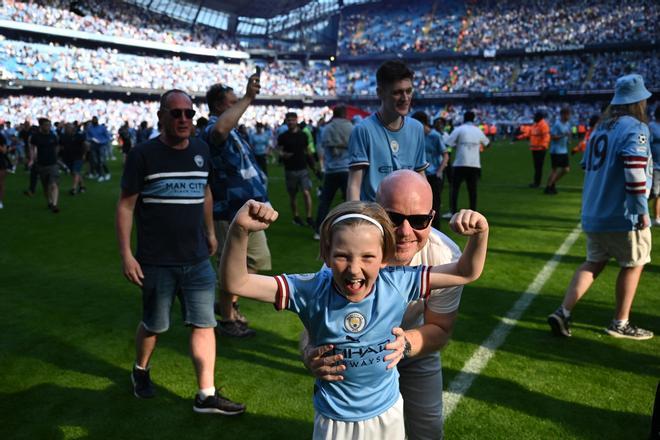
199	160
354	322
394	145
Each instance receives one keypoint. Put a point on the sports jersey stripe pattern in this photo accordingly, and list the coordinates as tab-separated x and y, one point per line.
635	174
282	296
204	174
183	188
425	282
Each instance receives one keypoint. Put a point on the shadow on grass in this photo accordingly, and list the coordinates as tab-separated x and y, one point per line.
573	260
69	412
56	411
575	417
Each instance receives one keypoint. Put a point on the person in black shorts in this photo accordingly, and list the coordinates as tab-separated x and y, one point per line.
74	148
294	152
45	145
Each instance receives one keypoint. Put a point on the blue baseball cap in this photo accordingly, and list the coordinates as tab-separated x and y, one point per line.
629	89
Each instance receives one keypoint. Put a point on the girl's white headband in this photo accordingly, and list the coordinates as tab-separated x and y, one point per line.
361	216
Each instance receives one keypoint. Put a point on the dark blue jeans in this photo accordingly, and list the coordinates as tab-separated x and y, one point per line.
331	183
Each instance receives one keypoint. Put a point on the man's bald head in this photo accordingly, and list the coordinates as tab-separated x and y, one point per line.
405	184
408	193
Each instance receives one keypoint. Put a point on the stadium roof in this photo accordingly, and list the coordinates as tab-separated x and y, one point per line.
255	8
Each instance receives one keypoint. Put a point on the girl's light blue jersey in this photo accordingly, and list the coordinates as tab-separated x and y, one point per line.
615	179
358	330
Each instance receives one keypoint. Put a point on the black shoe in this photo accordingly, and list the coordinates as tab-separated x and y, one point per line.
310	223
82	190
297	221
235	329
143	387
73	192
218	404
560	324
239	316
54	209
28	193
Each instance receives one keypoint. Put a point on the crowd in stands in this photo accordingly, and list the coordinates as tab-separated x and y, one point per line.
105	66
401	27
420	27
551	24
113	113
570	72
108	19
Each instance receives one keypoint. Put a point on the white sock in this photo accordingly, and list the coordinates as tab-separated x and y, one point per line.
565	311
206	392
620	322
140	368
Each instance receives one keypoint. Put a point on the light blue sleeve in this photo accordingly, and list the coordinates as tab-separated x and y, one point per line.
410	282
420	160
358	145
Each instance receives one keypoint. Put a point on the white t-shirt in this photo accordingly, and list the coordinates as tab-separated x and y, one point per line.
467	140
439	249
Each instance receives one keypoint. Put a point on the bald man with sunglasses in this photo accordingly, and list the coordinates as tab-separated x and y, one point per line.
408	199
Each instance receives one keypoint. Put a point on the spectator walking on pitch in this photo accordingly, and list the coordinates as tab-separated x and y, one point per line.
333	160
388	140
539	140
559	135
165	183
293	146
236	179
615	214
44	146
467	140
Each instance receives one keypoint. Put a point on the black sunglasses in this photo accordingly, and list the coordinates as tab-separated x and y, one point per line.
416	221
176	113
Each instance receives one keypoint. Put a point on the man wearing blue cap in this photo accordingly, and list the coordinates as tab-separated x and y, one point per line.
615	214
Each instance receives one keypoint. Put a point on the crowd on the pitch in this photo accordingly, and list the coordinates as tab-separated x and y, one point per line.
499	25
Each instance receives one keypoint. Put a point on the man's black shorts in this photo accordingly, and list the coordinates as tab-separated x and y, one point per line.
559	160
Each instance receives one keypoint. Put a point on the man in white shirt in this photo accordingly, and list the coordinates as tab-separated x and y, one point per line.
466	140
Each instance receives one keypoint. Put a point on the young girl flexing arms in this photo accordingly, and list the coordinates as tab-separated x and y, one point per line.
353	304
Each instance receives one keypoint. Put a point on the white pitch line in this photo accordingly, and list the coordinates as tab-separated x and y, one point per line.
462	382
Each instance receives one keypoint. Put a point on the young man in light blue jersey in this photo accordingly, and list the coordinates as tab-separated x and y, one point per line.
387	140
559	136
654	128
615	214
438	158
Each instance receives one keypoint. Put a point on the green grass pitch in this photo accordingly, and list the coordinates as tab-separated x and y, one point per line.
68	322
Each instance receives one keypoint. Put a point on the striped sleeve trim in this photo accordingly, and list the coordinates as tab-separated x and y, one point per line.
425	282
423	167
634	162
282	296
184	174
358	164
